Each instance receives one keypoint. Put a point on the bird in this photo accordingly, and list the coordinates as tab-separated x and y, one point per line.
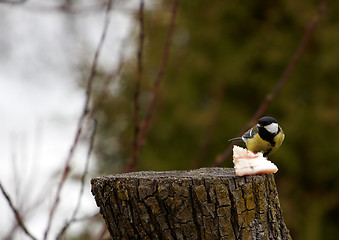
266	136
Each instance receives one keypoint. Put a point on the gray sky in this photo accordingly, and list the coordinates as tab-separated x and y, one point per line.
40	102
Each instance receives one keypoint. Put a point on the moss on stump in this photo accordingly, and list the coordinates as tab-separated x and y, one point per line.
208	203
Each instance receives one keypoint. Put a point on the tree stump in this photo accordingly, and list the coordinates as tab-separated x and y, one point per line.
207	203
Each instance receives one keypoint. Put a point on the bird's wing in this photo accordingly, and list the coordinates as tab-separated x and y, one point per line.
251	132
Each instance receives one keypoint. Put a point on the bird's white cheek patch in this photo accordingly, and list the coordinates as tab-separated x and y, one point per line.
272	128
249	163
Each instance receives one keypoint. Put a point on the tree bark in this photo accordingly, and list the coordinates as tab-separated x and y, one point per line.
208	203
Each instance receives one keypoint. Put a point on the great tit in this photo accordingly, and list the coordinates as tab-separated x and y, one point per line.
265	137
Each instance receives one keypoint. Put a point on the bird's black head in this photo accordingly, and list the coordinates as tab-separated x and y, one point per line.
265	121
268	128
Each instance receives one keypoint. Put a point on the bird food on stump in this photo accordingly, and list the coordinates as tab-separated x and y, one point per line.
207	203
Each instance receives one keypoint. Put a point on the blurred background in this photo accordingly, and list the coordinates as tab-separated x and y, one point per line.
225	57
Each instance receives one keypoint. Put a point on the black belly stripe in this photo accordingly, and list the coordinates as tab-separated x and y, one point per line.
267	152
266	135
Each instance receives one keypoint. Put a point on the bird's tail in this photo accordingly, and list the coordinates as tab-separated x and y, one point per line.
237	139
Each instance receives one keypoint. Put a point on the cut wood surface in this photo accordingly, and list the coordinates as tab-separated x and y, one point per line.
207	203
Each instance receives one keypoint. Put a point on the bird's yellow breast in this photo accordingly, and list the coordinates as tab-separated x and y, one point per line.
257	144
278	139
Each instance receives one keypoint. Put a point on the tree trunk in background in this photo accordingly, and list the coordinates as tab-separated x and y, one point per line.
208	203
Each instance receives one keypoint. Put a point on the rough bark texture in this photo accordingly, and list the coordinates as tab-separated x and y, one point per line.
208	203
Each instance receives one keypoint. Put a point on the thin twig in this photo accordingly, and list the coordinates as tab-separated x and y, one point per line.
135	151
16	213
105	88
82	183
145	123
277	88
112	75
85	112
96	55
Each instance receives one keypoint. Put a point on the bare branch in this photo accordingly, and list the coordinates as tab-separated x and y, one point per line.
96	56
145	123
82	182
105	88
277	88
135	151
16	213
85	112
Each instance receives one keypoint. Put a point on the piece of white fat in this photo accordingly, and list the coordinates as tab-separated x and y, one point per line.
249	163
